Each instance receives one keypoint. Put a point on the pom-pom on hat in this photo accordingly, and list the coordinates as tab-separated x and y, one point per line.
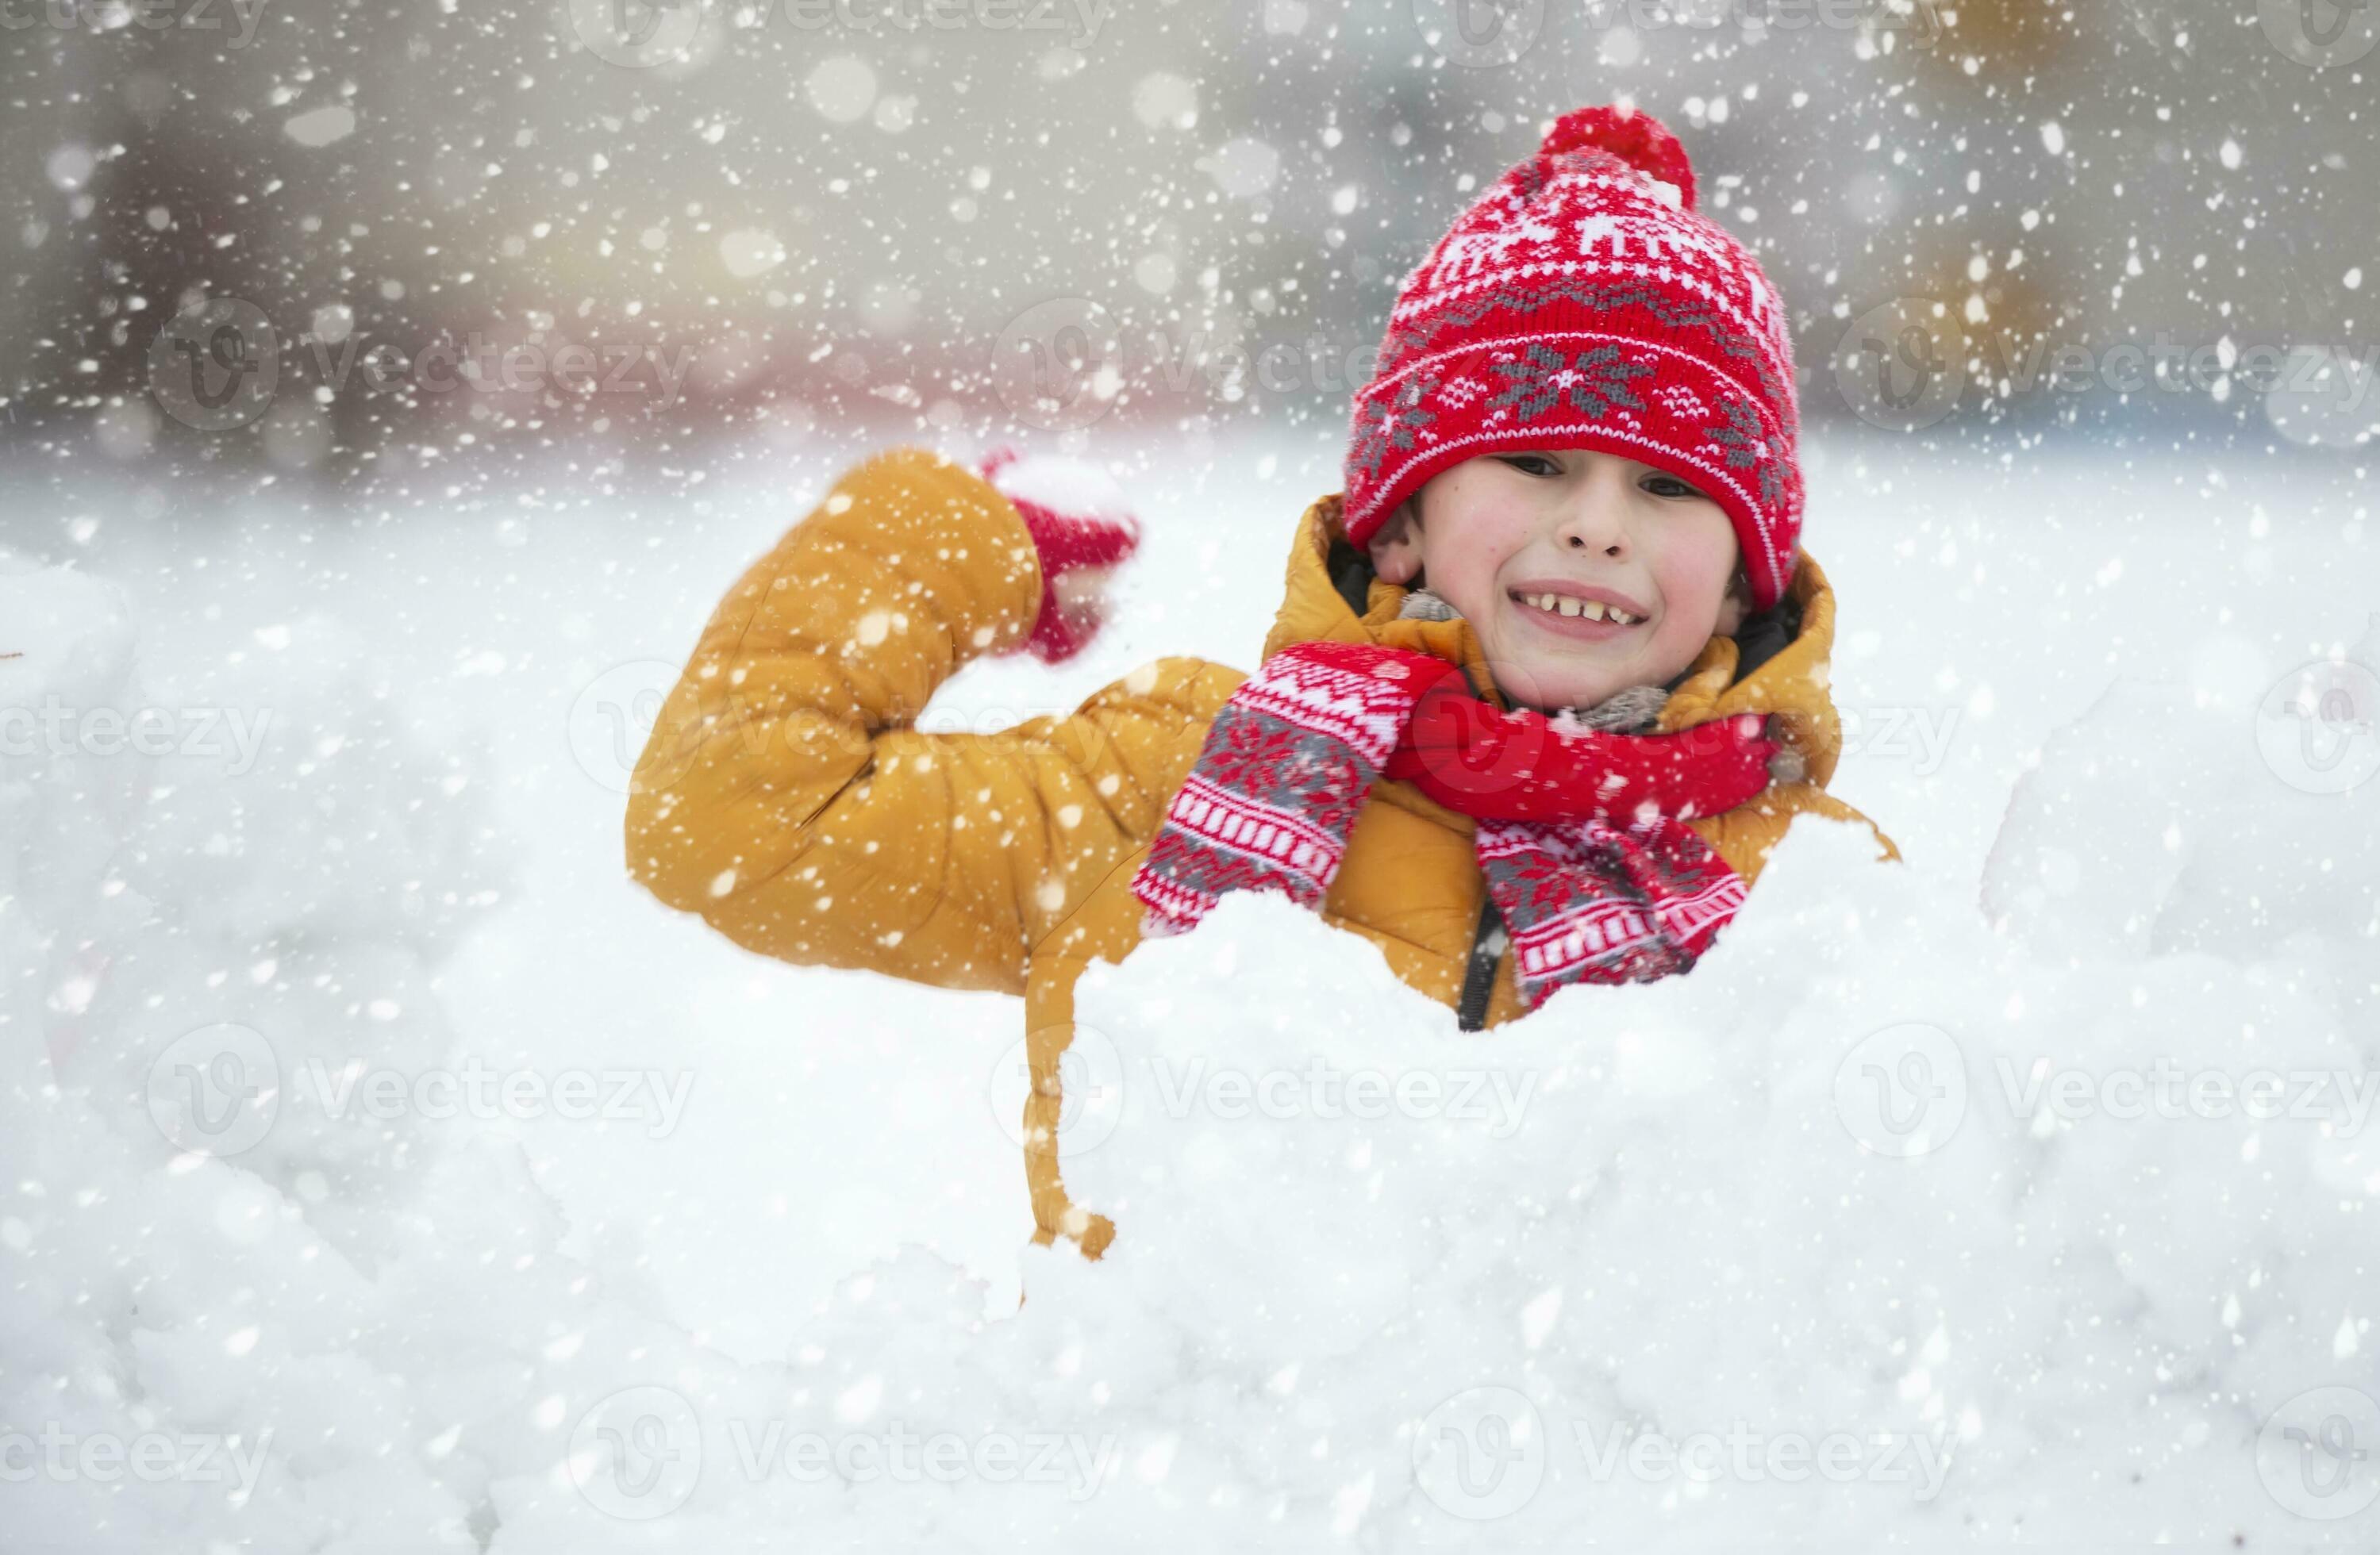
1583	303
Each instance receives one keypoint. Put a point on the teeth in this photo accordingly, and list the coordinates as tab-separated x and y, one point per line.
1593	609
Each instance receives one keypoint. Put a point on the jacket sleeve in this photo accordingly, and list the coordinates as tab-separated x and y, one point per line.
784	798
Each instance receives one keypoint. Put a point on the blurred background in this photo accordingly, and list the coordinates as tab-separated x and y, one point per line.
437	239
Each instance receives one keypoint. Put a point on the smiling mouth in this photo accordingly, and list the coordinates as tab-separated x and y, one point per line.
1569	607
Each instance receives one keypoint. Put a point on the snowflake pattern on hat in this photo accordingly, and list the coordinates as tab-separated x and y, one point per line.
1744	447
1396	425
1596	383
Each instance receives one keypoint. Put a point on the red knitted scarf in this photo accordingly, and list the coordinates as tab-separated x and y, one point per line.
1581	834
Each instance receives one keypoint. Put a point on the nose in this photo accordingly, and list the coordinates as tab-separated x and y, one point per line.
1593	523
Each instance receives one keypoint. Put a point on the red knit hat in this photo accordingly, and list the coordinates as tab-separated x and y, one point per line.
1584	304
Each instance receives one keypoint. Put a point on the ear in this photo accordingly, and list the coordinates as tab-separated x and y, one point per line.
1733	611
1396	547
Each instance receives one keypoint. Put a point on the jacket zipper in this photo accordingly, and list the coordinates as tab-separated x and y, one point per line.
1488	941
1479	977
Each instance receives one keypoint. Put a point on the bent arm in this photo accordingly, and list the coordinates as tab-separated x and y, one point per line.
783	797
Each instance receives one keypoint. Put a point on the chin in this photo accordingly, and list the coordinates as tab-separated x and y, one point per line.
1551	688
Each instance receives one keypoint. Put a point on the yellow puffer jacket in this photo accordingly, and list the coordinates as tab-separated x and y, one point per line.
784	797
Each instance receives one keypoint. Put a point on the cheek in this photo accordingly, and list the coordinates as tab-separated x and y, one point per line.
1694	567
1468	572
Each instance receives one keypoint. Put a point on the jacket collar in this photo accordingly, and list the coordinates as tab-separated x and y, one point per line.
1792	685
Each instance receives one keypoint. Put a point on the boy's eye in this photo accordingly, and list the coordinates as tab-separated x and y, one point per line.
1531	464
1668	485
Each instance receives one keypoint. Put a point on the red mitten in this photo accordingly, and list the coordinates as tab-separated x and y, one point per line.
1050	495
1520	765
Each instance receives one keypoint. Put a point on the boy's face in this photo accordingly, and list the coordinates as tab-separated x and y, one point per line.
1503	531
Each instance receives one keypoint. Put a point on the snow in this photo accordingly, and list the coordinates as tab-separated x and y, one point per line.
1064	484
2016	1194
1873	1175
322	127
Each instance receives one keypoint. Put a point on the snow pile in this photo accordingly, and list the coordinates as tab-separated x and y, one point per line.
243	1304
1823	1234
1882	1226
1898	1222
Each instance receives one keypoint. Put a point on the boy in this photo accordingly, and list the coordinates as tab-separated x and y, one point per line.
1573	490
